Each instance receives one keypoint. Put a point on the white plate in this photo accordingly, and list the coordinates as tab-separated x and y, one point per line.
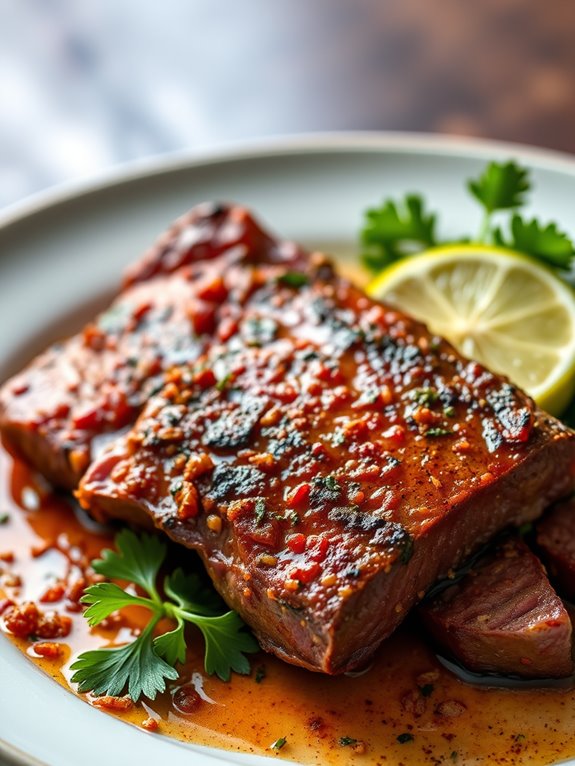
60	252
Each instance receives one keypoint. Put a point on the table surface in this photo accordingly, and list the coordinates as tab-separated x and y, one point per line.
85	86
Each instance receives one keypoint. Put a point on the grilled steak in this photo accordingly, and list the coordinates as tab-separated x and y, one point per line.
504	617
65	403
556	541
329	461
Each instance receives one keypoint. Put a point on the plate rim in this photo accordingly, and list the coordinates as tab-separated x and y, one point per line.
267	148
320	142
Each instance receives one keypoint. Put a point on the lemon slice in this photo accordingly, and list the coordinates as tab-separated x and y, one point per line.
496	306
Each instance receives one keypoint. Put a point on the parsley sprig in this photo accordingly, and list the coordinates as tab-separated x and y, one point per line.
143	666
397	229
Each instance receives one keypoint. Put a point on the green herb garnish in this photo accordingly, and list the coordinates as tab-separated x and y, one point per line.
291	516
501	186
546	243
222	383
4	518
396	229
260	510
293	279
399	229
143	666
346	741
278	744
424	396
405	737
438	432
332	484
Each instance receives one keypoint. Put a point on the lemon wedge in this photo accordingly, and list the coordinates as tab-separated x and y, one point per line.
496	306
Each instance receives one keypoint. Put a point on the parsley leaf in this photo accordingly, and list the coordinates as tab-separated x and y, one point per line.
138	561
189	592
105	598
135	667
226	642
172	646
501	186
396	229
547	243
143	666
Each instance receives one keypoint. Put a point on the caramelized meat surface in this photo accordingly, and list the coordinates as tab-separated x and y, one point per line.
68	401
504	617
556	541
329	461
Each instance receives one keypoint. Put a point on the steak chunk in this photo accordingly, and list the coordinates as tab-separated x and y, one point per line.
329	462
72	397
556	541
504	617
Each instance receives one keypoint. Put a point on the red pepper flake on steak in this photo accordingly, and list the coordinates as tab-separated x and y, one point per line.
504	617
59	410
353	482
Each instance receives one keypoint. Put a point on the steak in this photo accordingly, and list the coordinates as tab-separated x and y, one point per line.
68	401
556	541
329	461
504	617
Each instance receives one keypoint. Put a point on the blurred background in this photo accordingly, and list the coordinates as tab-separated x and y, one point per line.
88	85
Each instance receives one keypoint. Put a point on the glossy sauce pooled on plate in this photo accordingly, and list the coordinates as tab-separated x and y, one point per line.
406	708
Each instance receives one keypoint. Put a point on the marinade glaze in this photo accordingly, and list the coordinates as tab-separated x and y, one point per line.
330	459
405	709
60	408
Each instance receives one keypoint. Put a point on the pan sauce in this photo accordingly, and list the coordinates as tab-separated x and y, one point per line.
407	709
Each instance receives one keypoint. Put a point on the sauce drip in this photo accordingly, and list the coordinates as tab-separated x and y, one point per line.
407	708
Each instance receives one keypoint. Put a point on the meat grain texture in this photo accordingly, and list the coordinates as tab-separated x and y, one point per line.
504	617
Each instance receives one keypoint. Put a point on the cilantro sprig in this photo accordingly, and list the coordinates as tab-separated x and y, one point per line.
143	666
398	229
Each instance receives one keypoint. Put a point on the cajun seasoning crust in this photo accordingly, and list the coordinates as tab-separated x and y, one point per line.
207	232
329	462
94	384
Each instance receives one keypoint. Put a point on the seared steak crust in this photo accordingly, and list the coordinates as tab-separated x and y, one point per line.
67	401
329	461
